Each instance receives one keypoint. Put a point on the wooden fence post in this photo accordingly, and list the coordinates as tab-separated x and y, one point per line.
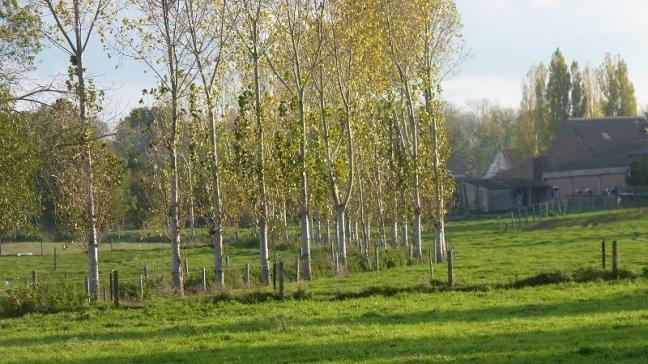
274	276
615	259
337	263
603	253
227	262
41	246
112	290
186	267
281	280
431	268
86	285
377	258
116	288
247	275
55	259
34	277
146	271
450	268
297	270
204	279
140	285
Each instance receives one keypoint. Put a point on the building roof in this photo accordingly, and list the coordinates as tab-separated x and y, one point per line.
588	144
582	139
513	155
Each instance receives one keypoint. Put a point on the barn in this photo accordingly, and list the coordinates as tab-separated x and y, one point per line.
589	157
594	156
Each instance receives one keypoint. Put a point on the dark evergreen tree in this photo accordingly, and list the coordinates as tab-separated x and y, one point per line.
558	88
578	95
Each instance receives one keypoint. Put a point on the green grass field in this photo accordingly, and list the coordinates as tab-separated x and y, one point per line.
395	315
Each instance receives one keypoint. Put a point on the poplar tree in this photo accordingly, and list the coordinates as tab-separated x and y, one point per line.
558	88
579	98
75	24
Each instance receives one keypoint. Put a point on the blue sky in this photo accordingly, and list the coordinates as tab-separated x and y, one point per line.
503	37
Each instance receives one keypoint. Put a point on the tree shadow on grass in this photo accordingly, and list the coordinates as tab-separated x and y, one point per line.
581	344
222	346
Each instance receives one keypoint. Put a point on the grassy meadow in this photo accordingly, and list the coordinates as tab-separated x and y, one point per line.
501	309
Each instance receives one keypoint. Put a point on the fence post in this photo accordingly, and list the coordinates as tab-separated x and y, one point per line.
274	275
227	261
450	268
603	253
116	288
431	267
615	259
337	263
112	290
146	271
186	266
204	279
41	246
54	258
247	275
87	285
377	258
297	270
34	277
140	284
281	280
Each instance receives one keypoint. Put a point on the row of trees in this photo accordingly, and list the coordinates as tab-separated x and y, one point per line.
265	110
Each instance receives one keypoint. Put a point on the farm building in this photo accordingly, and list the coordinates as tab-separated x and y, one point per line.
593	156
488	195
589	157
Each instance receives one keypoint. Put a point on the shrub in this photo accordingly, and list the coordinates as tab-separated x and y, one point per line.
41	299
301	293
543	278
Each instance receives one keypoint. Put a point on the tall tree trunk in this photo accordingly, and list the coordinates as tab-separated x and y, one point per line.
174	208
192	217
303	205
381	209
394	233
217	203
404	233
93	256
439	225
285	221
366	226
263	214
416	196
328	231
341	233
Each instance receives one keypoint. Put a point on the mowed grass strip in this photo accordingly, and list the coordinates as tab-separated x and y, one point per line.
590	322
